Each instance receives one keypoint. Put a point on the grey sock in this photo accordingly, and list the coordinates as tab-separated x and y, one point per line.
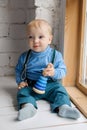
68	112
27	111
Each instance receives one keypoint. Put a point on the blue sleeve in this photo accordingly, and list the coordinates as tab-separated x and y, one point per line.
19	67
60	67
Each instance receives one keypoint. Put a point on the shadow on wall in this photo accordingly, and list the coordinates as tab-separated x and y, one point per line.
14	15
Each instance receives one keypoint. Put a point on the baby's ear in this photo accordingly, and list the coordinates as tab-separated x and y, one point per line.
50	39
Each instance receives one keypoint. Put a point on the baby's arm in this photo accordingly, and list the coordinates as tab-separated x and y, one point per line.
22	85
57	70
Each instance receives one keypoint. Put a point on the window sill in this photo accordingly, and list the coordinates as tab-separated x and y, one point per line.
78	98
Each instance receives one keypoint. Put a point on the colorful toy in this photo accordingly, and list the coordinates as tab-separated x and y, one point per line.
40	85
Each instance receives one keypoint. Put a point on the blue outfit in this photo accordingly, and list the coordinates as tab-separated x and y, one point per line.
55	93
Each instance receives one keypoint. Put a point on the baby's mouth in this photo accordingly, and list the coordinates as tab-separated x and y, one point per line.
36	46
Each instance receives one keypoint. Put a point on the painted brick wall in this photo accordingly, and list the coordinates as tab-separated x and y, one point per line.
14	15
54	12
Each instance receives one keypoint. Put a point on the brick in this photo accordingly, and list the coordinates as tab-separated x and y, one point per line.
30	15
17	31
10	45
12	16
4	59
18	3
45	14
31	3
9	59
6	71
3	3
47	4
4	30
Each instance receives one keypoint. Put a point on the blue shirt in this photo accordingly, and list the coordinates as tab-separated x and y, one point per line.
37	62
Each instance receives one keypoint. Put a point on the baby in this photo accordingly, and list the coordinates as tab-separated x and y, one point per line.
39	64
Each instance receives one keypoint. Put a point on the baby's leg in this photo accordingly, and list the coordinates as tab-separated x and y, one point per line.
68	112
60	101
27	111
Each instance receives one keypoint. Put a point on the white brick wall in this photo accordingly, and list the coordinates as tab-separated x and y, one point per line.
53	12
17	31
11	16
10	45
3	3
18	4
4	29
48	4
14	15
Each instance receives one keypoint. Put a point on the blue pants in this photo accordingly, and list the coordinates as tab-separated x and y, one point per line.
55	94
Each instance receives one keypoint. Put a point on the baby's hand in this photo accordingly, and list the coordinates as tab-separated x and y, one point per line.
22	85
49	71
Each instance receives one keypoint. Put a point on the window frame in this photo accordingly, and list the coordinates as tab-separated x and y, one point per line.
80	85
73	47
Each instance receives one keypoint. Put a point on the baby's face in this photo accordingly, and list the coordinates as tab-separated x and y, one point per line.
39	38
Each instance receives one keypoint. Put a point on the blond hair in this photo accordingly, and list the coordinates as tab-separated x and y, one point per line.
39	23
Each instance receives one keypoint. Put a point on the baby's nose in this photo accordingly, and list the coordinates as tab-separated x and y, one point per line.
36	40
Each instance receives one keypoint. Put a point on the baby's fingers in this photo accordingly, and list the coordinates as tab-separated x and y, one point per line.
20	87
50	65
